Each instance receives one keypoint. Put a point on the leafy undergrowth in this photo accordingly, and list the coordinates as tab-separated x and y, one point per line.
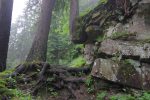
91	89
8	88
78	62
105	95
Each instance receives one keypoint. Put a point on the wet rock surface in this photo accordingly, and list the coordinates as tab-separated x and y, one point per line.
89	53
139	23
126	49
123	72
119	39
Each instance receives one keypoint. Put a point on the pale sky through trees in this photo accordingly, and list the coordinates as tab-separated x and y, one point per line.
18	7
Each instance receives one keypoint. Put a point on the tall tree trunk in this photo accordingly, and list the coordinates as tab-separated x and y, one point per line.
74	14
5	24
39	47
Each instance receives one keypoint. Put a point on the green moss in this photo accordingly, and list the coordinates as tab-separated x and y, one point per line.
101	38
101	95
4	90
52	92
78	62
83	13
131	62
144	96
143	41
103	1
89	9
127	69
79	28
117	35
5	73
79	46
122	97
19	95
14	94
8	85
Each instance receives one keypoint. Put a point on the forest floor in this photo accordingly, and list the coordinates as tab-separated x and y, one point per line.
42	81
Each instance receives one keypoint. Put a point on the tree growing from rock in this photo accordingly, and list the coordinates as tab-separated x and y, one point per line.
5	24
39	47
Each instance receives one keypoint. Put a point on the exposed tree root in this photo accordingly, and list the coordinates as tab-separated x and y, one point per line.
57	77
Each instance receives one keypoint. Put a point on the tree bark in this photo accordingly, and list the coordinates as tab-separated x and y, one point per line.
39	47
5	24
74	12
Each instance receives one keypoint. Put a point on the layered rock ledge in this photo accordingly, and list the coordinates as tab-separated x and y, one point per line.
126	49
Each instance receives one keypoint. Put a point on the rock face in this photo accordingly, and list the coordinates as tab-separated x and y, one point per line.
139	23
119	44
126	49
89	53
129	72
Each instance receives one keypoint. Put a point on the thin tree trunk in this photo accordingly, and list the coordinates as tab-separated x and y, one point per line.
39	47
5	24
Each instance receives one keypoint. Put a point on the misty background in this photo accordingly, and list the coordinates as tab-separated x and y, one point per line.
24	22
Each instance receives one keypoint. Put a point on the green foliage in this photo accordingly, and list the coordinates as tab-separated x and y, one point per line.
145	96
6	72
85	12
79	46
22	33
90	89
4	90
103	1
126	95
60	49
100	38
52	92
117	35
122	97
101	95
85	6
131	62
89	83
144	41
78	62
19	95
8	85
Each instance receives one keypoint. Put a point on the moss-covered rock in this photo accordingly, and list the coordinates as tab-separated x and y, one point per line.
126	49
126	72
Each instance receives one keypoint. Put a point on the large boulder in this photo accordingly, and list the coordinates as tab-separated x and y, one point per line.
126	49
129	72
